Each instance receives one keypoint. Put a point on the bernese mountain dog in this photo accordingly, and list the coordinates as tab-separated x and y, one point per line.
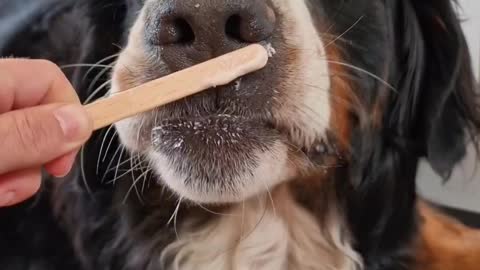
309	163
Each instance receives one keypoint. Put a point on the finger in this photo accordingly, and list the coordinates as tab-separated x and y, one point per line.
35	136
26	83
19	186
60	167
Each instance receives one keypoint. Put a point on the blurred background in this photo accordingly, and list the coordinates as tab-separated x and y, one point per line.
463	191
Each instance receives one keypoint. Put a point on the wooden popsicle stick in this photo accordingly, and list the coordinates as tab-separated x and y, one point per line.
218	71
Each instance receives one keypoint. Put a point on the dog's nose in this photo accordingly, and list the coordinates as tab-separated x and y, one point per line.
189	32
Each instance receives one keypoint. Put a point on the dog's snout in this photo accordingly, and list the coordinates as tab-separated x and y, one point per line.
189	32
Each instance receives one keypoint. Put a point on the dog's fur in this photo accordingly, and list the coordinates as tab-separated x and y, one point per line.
307	164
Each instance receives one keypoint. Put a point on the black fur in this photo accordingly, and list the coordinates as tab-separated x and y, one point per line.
418	47
432	114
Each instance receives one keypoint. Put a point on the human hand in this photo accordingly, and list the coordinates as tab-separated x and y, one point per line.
42	124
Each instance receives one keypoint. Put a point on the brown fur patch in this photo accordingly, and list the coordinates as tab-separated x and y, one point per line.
341	98
446	244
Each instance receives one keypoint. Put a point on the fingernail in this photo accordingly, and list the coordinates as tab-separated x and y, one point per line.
73	121
7	199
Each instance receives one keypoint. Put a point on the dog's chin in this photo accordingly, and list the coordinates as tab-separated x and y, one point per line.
218	159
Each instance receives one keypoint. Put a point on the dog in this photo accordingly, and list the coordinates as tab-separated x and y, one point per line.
309	163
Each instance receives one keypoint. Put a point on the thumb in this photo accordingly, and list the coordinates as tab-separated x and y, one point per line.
35	136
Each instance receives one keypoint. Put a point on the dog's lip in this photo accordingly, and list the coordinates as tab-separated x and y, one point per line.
193	123
209	118
234	127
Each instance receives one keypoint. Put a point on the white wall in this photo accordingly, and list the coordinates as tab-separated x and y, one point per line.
471	11
463	191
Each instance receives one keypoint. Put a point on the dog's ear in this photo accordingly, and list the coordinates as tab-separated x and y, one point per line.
436	105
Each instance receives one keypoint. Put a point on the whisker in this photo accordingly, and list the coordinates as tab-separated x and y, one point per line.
142	170
125	172
100	88
242	224
174	217
101	148
100	62
121	164
85	65
338	11
345	32
96	79
270	197
109	145
83	173
117	167
145	178
213	212
365	72
258	222
118	46
243	237
355	68
120	147
133	186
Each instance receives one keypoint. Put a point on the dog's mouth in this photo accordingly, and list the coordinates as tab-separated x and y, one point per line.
201	133
225	158
217	158
221	148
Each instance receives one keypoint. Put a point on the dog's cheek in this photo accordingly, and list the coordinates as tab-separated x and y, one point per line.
304	97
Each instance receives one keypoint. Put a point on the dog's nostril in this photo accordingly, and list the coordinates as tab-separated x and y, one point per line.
232	28
251	27
176	31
